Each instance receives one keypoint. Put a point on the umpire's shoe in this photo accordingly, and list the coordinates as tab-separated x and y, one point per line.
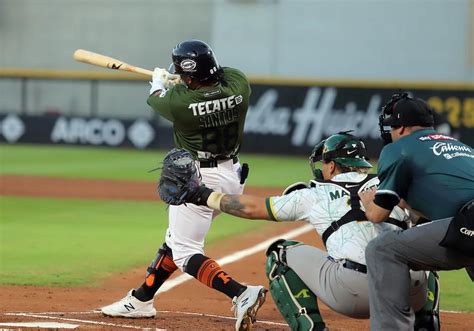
245	306
130	307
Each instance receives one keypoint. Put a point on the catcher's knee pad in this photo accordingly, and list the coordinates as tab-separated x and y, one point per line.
295	301
163	262
427	319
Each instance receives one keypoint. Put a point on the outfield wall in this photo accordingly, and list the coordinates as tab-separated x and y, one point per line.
285	117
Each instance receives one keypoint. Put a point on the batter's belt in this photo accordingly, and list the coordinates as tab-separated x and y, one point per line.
212	163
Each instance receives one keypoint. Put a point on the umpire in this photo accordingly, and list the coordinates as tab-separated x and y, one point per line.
432	175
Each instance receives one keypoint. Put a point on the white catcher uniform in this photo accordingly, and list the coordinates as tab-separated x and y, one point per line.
332	275
189	224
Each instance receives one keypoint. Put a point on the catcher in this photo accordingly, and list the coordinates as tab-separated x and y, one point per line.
299	273
207	105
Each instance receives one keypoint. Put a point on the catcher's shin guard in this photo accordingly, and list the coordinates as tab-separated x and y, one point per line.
161	267
427	318
295	301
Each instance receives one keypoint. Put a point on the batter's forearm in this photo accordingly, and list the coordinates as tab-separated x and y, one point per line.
245	206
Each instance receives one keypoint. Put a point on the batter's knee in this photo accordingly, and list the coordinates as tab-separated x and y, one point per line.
181	257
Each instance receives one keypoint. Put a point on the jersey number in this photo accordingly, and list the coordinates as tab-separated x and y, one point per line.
221	140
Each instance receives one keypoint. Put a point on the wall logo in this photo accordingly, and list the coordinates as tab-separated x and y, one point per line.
450	151
317	117
188	65
12	128
88	131
95	131
141	133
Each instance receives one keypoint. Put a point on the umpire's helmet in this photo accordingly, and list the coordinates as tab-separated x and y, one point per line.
402	110
195	59
343	148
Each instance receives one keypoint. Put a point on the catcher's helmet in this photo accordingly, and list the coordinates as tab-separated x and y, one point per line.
402	110
343	148
195	59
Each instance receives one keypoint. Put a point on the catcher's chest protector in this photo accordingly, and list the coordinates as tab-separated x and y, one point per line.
355	213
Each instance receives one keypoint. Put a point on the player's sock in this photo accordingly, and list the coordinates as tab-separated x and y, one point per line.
155	279
210	273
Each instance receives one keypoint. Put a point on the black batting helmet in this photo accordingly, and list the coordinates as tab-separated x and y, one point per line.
195	59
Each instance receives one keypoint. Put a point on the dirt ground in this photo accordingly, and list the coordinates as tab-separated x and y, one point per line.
189	306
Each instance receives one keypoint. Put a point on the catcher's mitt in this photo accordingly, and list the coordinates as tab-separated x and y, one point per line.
179	177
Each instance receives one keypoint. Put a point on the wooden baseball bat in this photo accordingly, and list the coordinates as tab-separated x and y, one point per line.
100	60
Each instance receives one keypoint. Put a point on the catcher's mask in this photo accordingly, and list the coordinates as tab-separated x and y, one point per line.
195	59
343	148
402	110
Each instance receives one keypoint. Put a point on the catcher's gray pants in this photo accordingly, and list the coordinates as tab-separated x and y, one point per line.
389	258
343	290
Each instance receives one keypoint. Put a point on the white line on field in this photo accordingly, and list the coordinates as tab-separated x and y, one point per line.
217	316
46	325
168	285
80	321
48	315
164	311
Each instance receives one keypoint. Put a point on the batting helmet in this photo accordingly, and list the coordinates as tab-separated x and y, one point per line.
402	110
343	148
195	59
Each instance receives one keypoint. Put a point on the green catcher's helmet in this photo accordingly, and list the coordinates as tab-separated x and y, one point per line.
343	148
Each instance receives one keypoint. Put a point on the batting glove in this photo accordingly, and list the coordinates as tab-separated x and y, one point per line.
158	80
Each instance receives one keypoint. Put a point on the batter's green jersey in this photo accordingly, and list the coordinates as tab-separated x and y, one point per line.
434	173
209	121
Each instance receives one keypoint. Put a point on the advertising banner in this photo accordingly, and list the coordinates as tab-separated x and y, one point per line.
106	132
282	119
292	119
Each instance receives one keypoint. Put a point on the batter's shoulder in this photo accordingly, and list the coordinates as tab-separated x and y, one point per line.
233	72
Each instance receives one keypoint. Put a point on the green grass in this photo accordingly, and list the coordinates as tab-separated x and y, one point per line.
457	291
78	242
129	164
81	162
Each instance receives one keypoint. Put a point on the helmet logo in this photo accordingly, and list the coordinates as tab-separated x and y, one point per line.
188	65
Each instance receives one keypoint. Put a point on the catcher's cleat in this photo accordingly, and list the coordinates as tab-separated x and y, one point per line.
246	306
130	307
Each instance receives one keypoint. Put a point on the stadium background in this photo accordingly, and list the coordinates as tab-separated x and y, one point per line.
316	67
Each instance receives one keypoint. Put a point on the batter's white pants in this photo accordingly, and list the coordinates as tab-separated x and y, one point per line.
189	224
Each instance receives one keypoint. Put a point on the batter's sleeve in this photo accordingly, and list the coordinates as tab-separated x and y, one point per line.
291	207
162	103
394	174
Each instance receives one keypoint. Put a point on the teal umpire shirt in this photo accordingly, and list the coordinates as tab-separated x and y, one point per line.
432	172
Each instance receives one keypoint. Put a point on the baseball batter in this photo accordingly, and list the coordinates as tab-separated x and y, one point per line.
208	110
299	273
434	175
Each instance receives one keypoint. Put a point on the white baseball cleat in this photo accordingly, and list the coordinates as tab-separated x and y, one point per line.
130	307
246	306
